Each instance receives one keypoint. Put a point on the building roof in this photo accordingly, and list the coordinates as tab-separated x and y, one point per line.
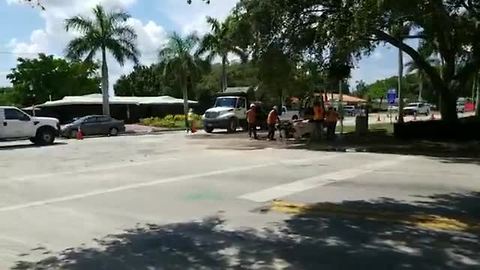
94	99
346	98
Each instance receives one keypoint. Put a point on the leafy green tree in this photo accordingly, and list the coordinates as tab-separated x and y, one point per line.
361	89
6	96
181	64
106	32
46	77
219	42
361	25
142	81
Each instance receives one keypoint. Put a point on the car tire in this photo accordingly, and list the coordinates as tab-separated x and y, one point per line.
113	132
208	129
232	125
33	140
45	136
295	117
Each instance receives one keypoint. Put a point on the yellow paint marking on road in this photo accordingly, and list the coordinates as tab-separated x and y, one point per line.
430	222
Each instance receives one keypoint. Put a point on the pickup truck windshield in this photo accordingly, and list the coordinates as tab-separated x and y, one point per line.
226	102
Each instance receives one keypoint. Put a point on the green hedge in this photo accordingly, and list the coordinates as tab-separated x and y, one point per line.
170	121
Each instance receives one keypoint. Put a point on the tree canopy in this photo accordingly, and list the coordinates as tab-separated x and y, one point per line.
37	80
356	27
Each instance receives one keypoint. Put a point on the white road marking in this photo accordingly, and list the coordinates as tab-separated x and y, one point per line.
147	184
112	166
317	181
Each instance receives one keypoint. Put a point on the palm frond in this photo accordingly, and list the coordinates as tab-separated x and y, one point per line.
122	50
78	47
125	32
81	24
215	25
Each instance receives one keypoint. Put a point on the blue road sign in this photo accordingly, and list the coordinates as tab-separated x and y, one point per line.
392	96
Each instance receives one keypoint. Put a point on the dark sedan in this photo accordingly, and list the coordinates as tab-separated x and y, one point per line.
94	125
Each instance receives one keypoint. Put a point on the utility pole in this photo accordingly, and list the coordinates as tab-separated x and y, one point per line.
477	101
400	77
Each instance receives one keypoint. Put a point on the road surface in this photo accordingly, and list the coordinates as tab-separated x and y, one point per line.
172	201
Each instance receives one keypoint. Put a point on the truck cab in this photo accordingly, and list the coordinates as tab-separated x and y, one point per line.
229	112
17	125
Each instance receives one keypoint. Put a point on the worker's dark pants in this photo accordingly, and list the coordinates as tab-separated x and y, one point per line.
271	131
318	130
331	127
252	129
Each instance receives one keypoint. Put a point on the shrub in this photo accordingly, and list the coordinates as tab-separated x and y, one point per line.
179	117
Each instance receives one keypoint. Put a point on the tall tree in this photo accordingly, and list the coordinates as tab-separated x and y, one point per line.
107	31
219	42
361	25
47	77
181	64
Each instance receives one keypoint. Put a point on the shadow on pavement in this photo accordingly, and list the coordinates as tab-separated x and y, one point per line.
27	145
448	152
308	240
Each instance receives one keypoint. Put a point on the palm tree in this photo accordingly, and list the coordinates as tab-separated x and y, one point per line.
412	67
106	31
219	42
180	63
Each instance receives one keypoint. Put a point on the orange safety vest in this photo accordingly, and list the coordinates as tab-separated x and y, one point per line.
332	116
272	117
318	113
251	116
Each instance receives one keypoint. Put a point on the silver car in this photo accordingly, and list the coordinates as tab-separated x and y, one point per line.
94	125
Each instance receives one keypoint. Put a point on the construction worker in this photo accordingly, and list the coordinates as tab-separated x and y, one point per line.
191	121
318	119
272	120
331	121
252	121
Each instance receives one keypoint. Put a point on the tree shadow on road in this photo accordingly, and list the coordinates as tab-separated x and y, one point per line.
379	142
308	240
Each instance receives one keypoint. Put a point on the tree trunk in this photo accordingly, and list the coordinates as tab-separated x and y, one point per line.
400	77
340	104
185	102
105	94
224	73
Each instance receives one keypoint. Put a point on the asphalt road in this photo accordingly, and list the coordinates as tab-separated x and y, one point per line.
172	201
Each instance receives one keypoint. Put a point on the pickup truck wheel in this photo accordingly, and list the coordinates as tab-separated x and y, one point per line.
208	129
45	136
113	132
232	125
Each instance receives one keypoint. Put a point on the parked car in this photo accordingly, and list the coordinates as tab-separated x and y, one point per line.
94	125
17	125
287	114
349	110
416	109
460	107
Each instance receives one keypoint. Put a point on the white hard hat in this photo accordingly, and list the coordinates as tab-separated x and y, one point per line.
252	105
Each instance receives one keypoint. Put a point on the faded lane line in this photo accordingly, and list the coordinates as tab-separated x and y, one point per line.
317	181
146	184
112	166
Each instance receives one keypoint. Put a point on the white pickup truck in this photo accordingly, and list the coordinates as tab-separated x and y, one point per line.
17	125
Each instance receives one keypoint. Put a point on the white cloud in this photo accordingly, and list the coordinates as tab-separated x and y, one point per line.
191	18
53	38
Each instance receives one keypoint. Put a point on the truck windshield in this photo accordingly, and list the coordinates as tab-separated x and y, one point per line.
226	102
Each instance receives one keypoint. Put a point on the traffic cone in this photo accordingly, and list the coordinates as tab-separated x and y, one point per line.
79	134
378	118
432	117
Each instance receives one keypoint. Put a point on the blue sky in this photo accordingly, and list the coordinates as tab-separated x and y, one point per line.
25	31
